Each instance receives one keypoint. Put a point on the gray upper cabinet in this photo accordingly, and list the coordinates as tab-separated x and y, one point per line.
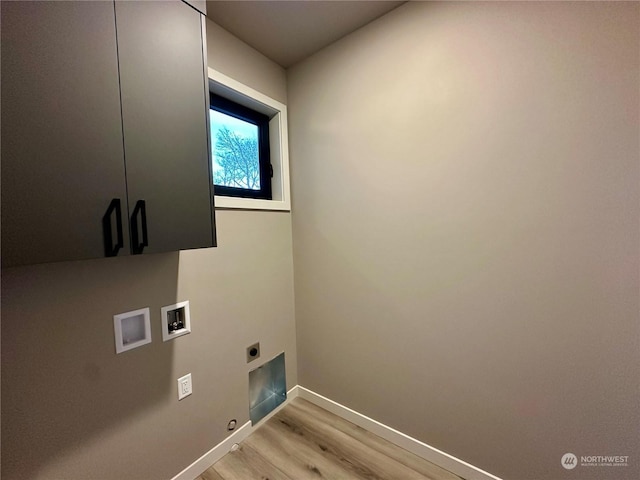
164	113
104	131
62	154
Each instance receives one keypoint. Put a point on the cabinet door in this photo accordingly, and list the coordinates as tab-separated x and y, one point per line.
62	154
164	115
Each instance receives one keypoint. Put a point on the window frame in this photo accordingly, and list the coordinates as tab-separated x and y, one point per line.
248	115
242	94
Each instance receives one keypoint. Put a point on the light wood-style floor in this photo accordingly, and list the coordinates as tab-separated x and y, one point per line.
303	441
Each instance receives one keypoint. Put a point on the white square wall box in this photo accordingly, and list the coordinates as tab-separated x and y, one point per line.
132	329
176	320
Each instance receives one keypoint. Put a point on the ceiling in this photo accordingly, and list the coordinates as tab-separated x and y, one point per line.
289	31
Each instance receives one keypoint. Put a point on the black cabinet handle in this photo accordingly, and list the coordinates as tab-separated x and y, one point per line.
111	250
136	245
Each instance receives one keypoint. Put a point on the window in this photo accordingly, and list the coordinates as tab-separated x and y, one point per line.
275	112
240	150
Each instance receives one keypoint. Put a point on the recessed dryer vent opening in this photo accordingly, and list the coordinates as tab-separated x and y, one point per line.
267	388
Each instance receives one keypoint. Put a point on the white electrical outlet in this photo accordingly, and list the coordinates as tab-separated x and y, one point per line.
184	386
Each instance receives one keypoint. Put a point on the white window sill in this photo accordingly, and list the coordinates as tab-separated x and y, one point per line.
230	203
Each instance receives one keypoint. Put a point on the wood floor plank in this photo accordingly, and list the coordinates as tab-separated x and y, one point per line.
426	468
331	452
210	474
245	463
345	449
294	457
305	442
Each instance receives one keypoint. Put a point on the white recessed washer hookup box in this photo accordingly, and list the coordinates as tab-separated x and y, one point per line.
132	329
176	321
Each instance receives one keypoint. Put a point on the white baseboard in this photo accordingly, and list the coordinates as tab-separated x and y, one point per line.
224	447
215	454
432	454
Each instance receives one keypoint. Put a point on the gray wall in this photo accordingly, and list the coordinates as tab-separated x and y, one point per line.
242	62
73	409
465	218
